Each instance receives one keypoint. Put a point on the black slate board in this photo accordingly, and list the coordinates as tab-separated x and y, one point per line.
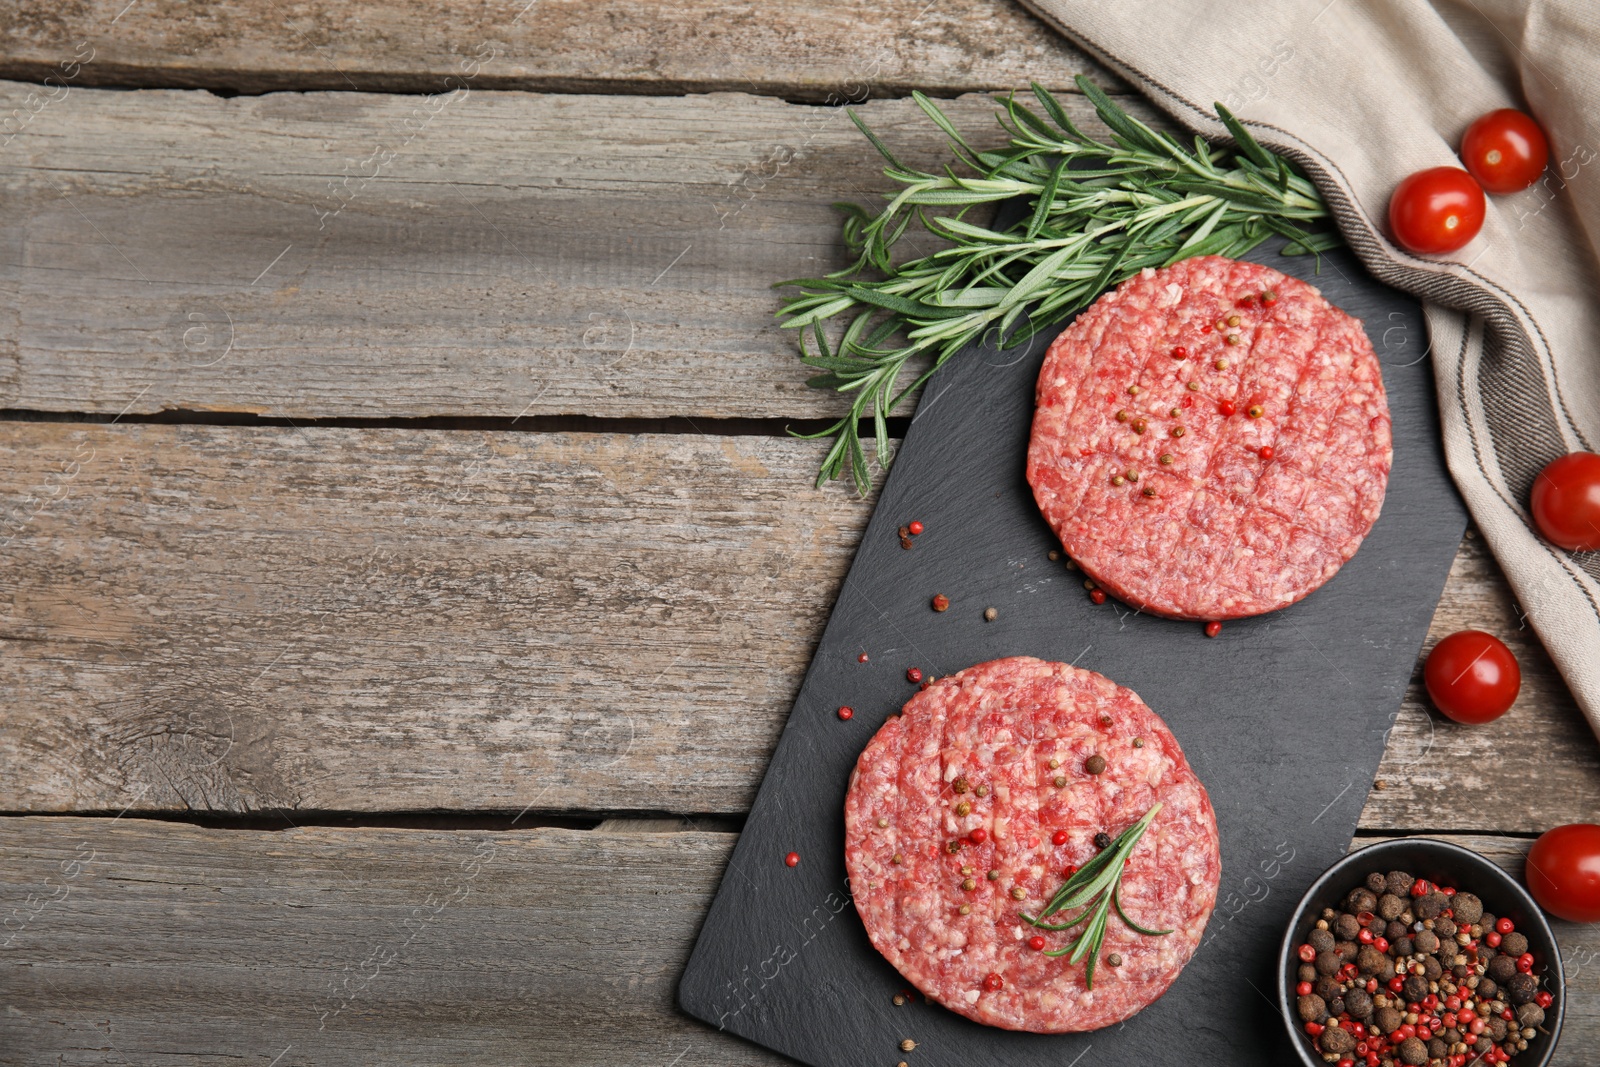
1283	717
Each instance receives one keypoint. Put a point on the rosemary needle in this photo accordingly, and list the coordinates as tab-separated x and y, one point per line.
1098	214
1096	888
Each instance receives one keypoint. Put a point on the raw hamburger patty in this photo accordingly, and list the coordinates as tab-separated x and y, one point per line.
1199	477
987	737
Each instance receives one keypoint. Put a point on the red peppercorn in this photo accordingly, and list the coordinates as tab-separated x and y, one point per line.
861	658
1465	1016
1430	1001
1544	999
1307	954
1395	983
1245	302
1449	891
1525	963
1381	944
915	528
1059	837
1180	352
792	859
1504	926
845	713
1072	869
1424	1033
1365	937
992	982
1420	887
979	836
1213	628
1347	1062
1314	1029
1492	939
913	674
1097	595
1267	452
1372	983
1036	943
1303	989
1225	408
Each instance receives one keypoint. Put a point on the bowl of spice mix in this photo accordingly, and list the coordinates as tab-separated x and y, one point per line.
1420	953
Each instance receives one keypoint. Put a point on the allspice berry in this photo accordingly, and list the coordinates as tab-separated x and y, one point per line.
1095	764
1468	909
1521	988
1338	1040
1413	1051
1312	1008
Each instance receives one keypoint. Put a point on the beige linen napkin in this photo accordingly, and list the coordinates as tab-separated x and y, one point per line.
1361	93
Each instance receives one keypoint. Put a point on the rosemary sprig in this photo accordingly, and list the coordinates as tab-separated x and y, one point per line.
1098	214
1096	888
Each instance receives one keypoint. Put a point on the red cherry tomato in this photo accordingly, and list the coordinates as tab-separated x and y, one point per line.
1472	677
1505	150
1566	502
1437	210
1563	872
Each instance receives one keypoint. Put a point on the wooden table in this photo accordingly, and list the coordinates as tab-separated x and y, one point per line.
405	571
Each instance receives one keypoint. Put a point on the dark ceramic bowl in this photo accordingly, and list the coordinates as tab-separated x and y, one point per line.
1450	865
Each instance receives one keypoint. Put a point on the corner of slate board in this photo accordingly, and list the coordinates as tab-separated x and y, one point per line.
783	959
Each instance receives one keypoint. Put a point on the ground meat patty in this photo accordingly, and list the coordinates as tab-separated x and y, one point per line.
1204	453
986	737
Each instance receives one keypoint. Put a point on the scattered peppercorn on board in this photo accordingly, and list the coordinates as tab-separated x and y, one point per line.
1282	716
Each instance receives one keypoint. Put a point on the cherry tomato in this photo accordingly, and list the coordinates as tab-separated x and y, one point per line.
1472	677
1566	502
1564	872
1505	150
1437	210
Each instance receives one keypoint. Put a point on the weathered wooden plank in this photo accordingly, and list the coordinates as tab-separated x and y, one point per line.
475	254
234	619
790	49
133	939
228	619
1536	767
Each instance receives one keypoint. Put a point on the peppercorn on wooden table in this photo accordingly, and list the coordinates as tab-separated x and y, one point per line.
406	571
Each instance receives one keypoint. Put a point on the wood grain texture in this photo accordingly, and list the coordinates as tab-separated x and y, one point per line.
131	940
478	254
134	942
228	619
1537	766
225	619
798	50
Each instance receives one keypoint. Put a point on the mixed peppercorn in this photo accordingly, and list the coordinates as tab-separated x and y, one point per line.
1407	972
